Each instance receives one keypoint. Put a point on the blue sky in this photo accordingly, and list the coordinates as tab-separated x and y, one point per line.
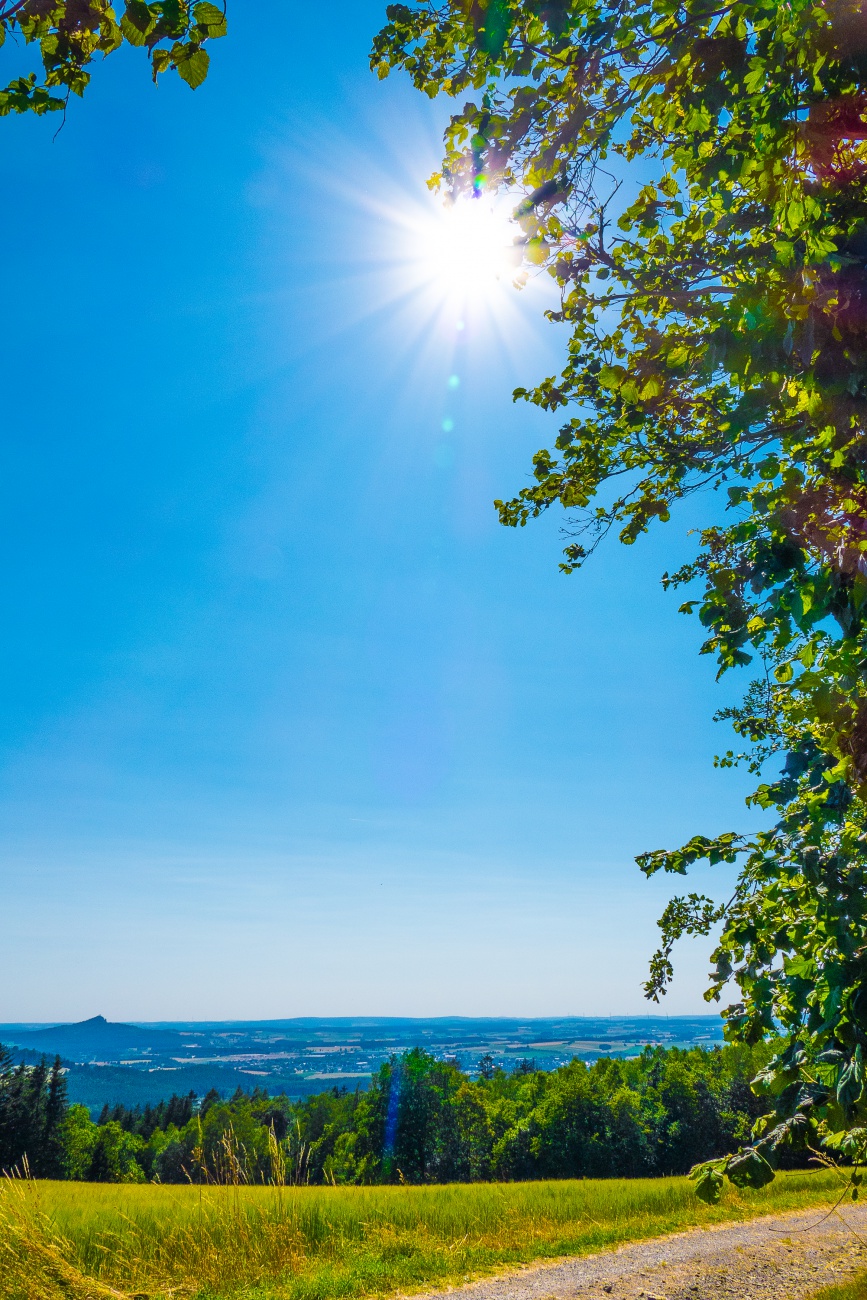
288	724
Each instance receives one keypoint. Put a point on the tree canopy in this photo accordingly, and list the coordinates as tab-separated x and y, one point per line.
422	1120
717	341
71	33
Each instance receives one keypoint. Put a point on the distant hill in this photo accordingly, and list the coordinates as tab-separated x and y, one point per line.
136	1064
97	1039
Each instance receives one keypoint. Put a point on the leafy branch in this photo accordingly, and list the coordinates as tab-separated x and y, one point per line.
71	33
716	343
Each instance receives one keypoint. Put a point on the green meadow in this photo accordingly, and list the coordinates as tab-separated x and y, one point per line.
85	1241
856	1289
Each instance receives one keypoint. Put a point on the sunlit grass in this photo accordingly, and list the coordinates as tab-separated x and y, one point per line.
320	1243
856	1289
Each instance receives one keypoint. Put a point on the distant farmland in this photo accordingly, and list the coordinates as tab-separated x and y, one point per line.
137	1064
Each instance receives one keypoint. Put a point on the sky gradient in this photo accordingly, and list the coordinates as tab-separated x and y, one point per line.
288	724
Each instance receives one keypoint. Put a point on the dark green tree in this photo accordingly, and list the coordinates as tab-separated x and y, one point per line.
487	1068
32	1113
69	34
113	1159
717	342
210	1098
56	1106
410	1128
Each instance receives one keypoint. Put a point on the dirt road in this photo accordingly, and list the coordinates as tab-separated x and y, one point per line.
784	1257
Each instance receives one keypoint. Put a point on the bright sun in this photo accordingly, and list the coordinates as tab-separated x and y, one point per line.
467	248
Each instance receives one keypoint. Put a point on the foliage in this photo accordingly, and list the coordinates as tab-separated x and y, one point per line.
421	1121
32	1115
70	33
425	1121
144	1121
717	326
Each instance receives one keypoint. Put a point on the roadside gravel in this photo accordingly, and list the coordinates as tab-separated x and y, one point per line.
779	1257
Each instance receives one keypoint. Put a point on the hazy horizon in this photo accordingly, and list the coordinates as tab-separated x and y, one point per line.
359	1020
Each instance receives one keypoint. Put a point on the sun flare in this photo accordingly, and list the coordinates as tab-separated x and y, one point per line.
467	249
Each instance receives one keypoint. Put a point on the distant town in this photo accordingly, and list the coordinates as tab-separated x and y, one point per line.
137	1064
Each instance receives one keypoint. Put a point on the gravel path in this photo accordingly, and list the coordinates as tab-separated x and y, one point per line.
780	1257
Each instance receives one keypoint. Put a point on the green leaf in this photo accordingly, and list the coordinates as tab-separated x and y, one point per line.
749	1169
210	15
137	22
708	1180
612	376
160	61
850	1085
192	65
651	388
210	20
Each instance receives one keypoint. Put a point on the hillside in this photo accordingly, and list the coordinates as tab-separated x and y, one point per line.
97	1039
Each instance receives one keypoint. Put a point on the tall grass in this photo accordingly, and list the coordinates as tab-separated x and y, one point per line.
855	1289
35	1261
325	1243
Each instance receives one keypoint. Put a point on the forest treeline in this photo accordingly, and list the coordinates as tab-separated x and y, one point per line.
421	1120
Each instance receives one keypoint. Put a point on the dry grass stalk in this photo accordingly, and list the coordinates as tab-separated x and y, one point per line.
34	1259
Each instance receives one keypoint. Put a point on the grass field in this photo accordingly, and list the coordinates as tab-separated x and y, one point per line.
854	1290
76	1240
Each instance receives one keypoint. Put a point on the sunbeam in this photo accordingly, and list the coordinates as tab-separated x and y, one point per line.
467	251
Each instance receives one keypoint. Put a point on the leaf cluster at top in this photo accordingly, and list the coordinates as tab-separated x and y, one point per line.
70	33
